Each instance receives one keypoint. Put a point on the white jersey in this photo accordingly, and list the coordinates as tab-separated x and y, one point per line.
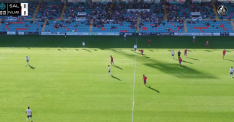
27	58
231	69
193	37
83	43
29	112
124	35
135	46
172	53
109	68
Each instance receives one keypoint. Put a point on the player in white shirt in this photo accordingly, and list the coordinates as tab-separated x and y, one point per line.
29	113
231	72
27	59
135	47
125	36
83	43
109	69
193	38
172	54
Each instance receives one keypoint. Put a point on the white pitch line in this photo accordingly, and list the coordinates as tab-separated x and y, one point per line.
134	85
182	72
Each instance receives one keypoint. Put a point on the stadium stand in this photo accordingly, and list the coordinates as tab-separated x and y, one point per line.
209	26
111	17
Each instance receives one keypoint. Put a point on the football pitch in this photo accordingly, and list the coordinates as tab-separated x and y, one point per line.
68	83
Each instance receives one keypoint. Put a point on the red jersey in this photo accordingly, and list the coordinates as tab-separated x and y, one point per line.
185	51
112	58
180	60
207	42
149	41
141	51
224	52
144	78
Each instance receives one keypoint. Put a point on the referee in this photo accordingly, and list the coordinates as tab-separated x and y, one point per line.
179	55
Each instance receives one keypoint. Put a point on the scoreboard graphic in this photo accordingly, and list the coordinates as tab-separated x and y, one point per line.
13	9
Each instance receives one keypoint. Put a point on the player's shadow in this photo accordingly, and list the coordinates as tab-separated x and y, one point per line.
189	50
115	77
187	62
146	56
171	69
151	50
95	50
77	50
152	89
193	59
31	67
87	50
228	51
208	50
118	67
229	60
59	50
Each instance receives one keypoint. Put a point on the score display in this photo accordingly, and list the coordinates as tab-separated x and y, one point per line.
13	9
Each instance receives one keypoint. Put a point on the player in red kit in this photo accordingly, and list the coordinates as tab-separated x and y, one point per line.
112	60
185	52
224	52
207	44
149	42
144	78
180	60
141	52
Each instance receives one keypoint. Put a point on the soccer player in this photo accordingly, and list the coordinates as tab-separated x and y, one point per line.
224	52
65	34
149	42
109	69
141	52
135	47
112	61
172	54
83	43
144	78
179	54
125	36
27	59
29	113
185	52
231	72
207	44
180	60
193	38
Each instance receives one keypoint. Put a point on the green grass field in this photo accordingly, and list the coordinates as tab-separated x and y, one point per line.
67	83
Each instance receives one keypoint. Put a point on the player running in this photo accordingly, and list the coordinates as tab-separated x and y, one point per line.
141	52
224	52
179	54
172	54
125	36
27	59
207	44
135	47
193	38
83	43
180	60
109	69
29	113
149	42
231	72
185	52
112	60
144	78
65	34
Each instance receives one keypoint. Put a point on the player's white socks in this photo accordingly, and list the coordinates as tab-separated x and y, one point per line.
172	57
27	119
31	119
109	73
